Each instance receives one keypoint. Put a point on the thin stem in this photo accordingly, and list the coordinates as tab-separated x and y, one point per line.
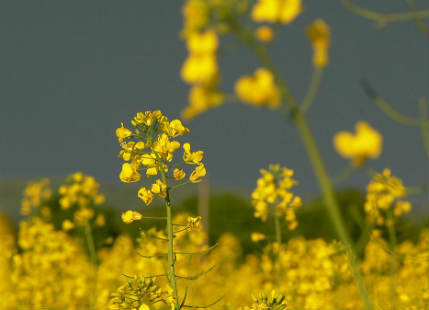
170	255
384	18
344	174
279	242
421	26
93	258
392	248
386	108
312	89
313	153
424	125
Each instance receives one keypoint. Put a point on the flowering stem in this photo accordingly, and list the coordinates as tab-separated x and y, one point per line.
170	255
93	258
384	17
279	242
312	151
312	89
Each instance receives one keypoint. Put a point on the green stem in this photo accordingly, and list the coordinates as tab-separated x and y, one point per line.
424	125
330	201
279	242
170	256
93	258
312	89
384	17
392	248
312	151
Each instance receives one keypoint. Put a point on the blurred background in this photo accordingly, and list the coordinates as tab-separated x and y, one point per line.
72	71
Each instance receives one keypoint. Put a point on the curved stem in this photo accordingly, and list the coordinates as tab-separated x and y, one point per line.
170	255
312	89
313	153
386	108
384	17
279	242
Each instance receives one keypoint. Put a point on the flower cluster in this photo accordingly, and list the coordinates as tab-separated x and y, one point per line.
149	150
273	188
383	198
259	89
34	194
140	293
200	69
366	143
80	194
272	301
319	35
276	11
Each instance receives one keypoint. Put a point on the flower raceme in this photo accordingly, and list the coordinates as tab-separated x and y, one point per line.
366	143
273	188
383	198
150	151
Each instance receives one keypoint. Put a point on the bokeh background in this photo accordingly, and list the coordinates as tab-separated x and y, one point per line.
72	71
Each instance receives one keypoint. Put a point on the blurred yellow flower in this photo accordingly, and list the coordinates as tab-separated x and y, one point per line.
264	34
276	11
319	35
257	236
366	143
67	225
259	89
131	216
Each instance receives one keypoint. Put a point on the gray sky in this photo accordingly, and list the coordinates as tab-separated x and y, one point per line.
71	71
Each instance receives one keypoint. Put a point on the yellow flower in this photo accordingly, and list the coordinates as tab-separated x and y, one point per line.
382	192
122	133
366	143
193	222
264	34
201	98
175	128
199	172
202	43
273	11
179	174
164	147
319	35
131	216
273	187
191	158
259	89
257	236
67	225
200	69
159	188
196	16
129	173
145	195
100	220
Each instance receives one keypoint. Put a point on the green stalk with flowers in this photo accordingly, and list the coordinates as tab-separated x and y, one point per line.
149	150
204	20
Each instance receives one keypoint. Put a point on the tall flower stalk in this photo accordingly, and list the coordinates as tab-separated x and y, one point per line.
149	152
